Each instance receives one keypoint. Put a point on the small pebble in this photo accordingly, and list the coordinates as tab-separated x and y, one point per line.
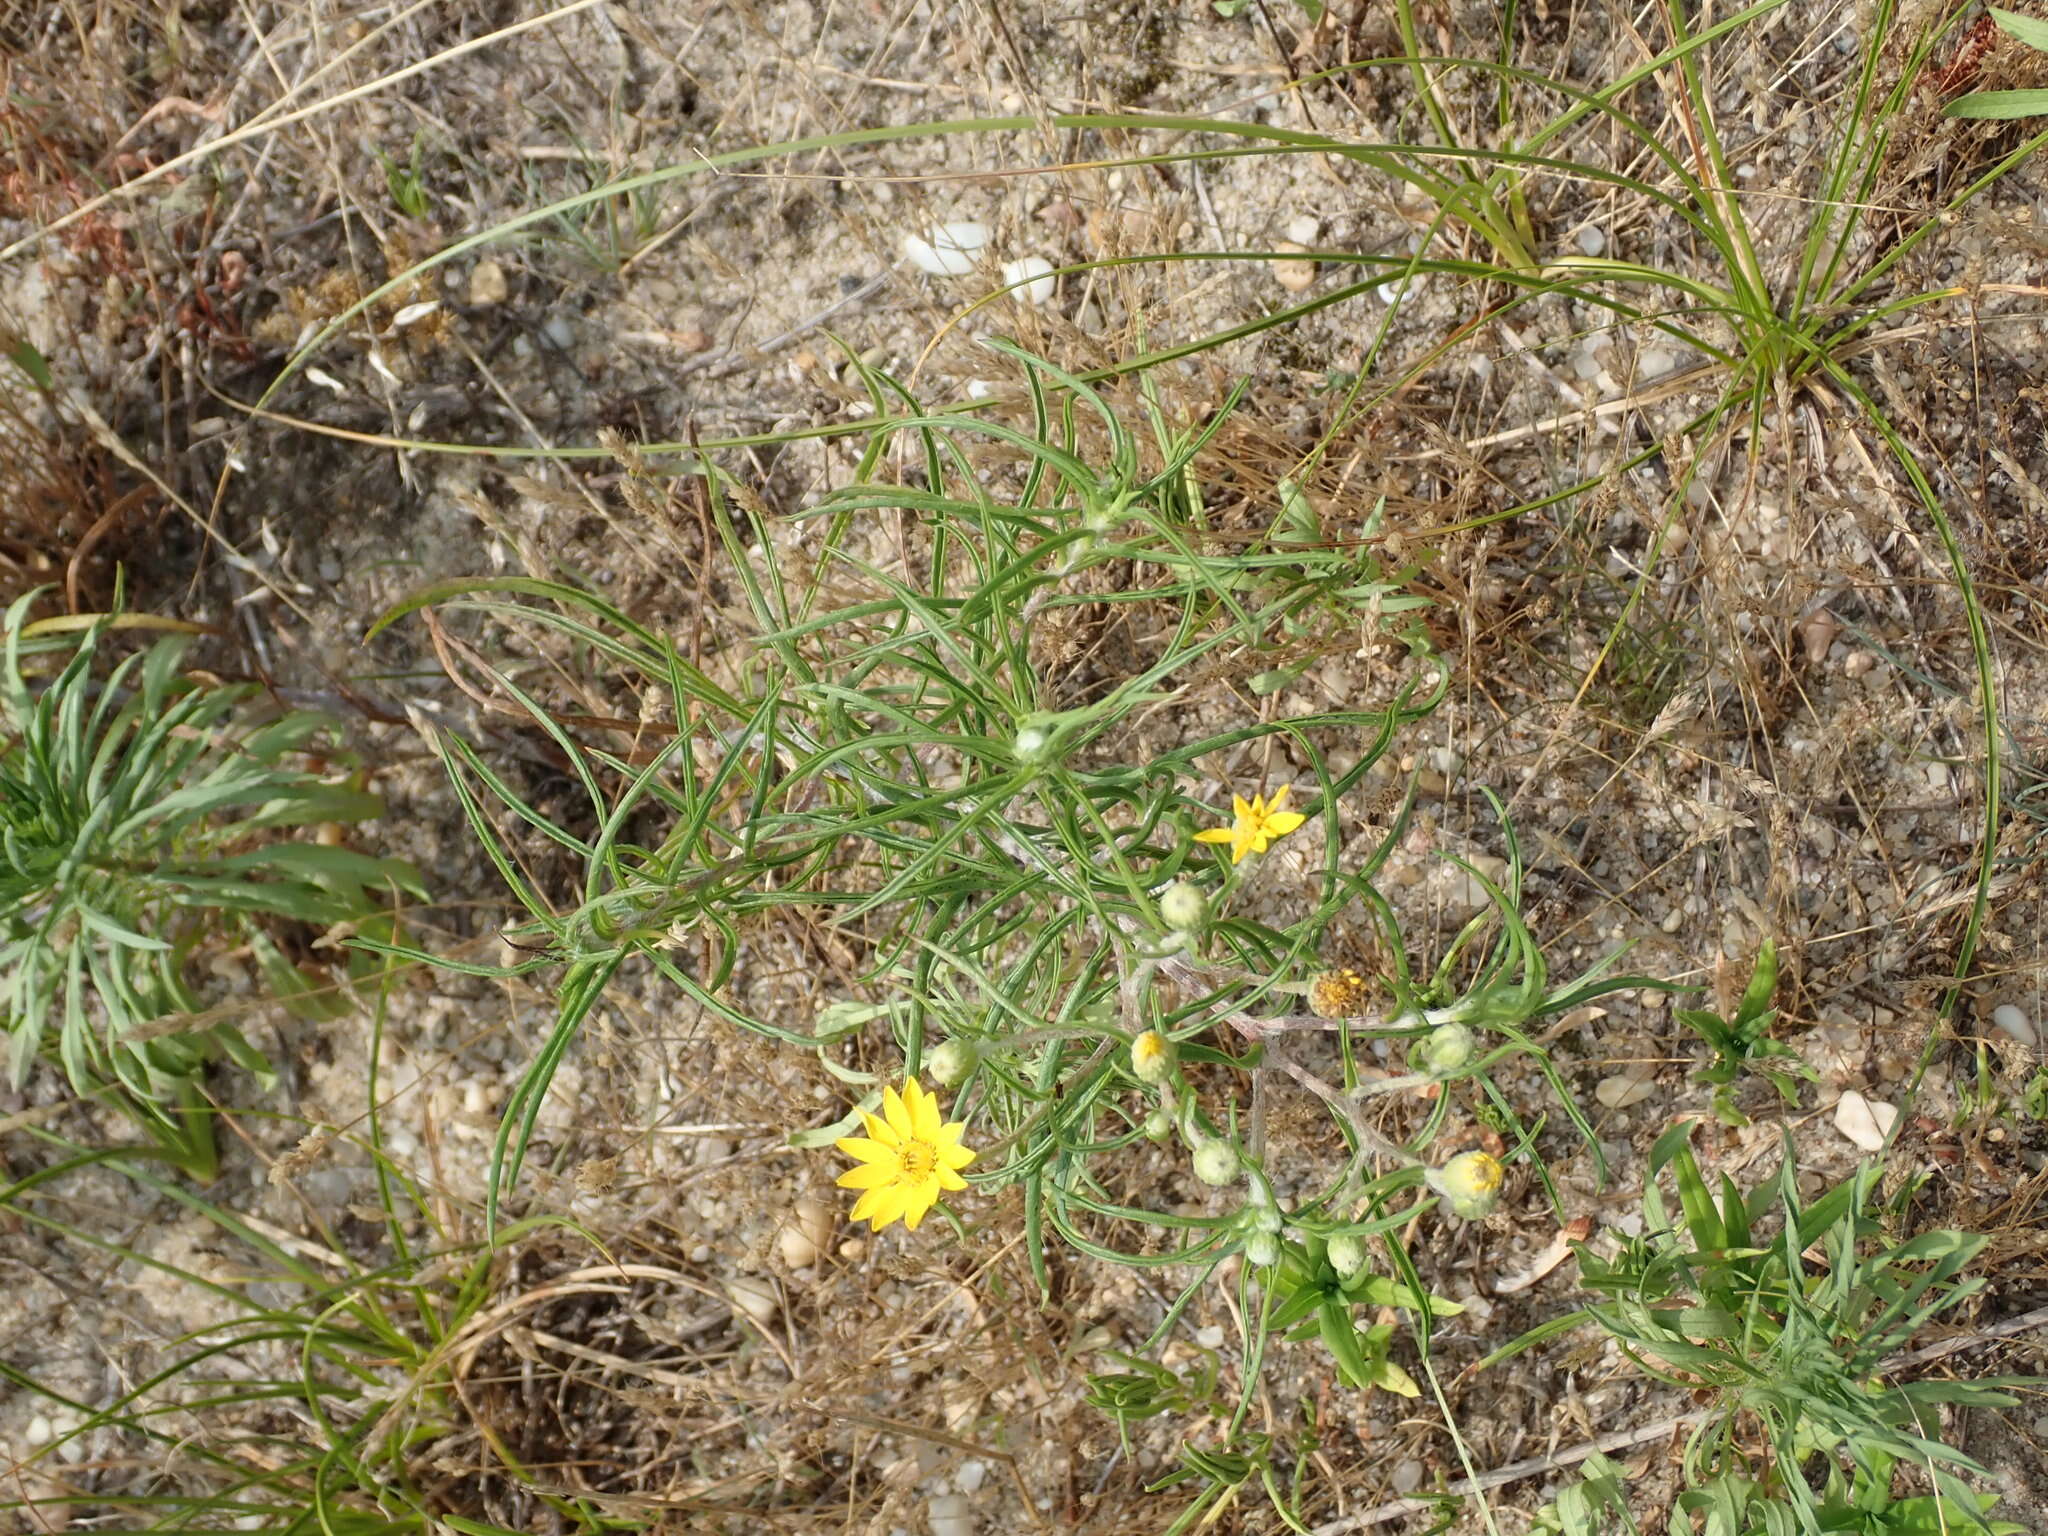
952	1515
971	1476
1624	1089
1592	240
950	249
1294	276
1865	1122
2012	1021
1407	1476
1210	1337
488	283
1655	362
38	1431
558	330
1304	229
756	1298
1035	275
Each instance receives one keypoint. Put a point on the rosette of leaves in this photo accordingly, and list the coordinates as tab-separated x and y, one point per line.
147	821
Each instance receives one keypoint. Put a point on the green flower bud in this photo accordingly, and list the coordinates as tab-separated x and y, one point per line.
1347	1256
951	1063
1444	1049
1470	1184
1216	1163
1185	906
1033	744
1262	1249
1152	1057
1266	1218
1159	1124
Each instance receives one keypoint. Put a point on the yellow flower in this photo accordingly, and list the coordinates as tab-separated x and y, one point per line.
907	1158
1254	825
1152	1057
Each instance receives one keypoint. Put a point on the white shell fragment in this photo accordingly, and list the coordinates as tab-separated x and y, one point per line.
1034	273
414	313
950	249
1866	1122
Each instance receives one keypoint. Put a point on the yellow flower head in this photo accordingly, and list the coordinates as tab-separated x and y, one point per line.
906	1158
1255	825
1152	1057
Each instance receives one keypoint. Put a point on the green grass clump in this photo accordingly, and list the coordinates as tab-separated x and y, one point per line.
1792	1331
146	822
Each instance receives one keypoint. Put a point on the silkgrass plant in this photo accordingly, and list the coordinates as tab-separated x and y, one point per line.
901	762
1052	923
151	819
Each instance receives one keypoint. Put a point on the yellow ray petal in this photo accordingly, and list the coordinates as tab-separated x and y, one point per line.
867	1151
955	1155
1278	803
1284	823
1215	835
864	1207
924	1117
898	1115
948	1179
868	1176
879	1130
918	1201
883	1206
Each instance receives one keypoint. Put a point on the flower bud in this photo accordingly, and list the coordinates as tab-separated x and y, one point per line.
1262	1248
1267	1219
1033	744
1470	1184
1185	906
1159	1124
1347	1256
1152	1057
1338	994
1216	1163
1444	1049
951	1063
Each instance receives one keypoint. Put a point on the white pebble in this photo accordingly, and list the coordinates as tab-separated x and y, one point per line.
756	1298
1034	273
1624	1089
1655	362
1866	1122
1407	1476
952	1515
38	1431
950	249
1304	229
2009	1020
1294	276
1592	240
971	1476
558	330
1210	1337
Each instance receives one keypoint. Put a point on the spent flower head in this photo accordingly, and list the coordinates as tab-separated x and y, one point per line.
1338	994
907	1158
1254	825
